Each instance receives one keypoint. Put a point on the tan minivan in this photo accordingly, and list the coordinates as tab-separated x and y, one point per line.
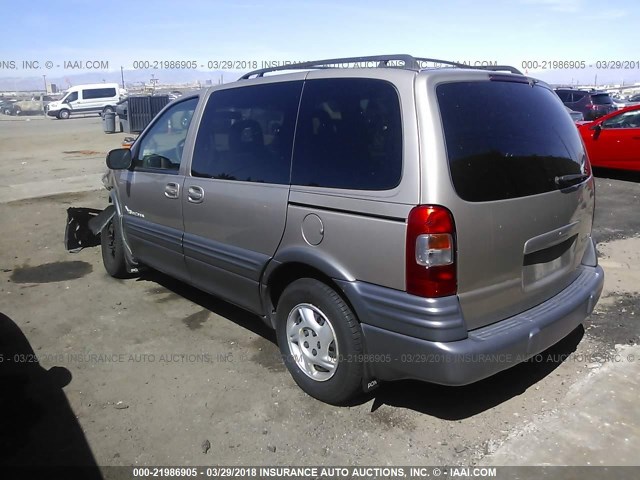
389	221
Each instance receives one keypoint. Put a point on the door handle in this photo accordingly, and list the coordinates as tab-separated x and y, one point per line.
172	190
195	194
636	138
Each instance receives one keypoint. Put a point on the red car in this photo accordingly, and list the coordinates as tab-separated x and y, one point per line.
613	141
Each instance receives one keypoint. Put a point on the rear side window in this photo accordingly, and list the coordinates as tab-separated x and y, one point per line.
349	135
246	134
578	96
98	93
506	140
602	99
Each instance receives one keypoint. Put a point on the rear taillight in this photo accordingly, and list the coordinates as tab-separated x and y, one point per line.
586	165
430	252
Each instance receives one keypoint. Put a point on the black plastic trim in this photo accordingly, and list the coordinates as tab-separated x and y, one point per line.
153	234
487	350
435	319
243	262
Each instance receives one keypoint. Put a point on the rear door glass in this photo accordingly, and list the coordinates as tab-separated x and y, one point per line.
506	139
349	135
604	99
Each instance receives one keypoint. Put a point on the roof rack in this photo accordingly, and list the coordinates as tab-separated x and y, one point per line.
409	63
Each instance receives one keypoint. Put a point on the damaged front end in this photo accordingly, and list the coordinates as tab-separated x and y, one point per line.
84	226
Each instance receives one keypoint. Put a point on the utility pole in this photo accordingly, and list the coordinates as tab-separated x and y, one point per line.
154	82
44	77
122	75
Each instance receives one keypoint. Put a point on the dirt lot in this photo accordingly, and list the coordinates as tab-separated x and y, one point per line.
145	371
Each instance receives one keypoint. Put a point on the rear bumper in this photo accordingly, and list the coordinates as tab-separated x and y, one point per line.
487	350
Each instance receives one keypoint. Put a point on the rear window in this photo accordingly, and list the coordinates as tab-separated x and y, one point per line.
602	99
506	139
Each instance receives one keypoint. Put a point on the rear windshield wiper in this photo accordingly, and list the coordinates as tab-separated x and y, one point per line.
569	180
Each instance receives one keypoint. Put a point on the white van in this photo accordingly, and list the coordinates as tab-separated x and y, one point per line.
93	98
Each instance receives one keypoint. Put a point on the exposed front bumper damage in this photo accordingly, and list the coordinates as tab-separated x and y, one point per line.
84	226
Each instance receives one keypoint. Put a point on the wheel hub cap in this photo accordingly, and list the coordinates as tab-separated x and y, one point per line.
312	342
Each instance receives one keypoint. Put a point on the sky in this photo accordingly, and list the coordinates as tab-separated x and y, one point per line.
507	32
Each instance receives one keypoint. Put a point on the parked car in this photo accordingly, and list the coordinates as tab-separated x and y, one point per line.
6	106
387	222
591	104
629	101
575	116
37	104
613	141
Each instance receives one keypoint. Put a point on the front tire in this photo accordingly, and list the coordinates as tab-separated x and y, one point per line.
113	250
321	341
63	114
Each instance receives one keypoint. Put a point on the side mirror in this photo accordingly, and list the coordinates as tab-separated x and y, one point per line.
596	131
119	159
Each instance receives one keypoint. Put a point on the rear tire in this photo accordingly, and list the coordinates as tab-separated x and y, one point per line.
113	250
321	341
107	110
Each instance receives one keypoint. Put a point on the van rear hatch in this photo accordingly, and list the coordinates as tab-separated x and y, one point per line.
525	199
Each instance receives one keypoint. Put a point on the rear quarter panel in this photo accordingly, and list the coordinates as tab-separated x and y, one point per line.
364	231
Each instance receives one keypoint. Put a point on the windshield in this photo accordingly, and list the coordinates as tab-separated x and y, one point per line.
506	139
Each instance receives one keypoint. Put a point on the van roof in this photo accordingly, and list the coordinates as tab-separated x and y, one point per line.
94	85
398	61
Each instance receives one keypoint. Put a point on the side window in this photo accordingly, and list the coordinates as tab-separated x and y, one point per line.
161	148
246	134
349	135
579	96
624	120
98	93
564	96
73	96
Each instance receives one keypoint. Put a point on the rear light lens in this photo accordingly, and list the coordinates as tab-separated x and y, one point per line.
586	166
434	249
430	252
